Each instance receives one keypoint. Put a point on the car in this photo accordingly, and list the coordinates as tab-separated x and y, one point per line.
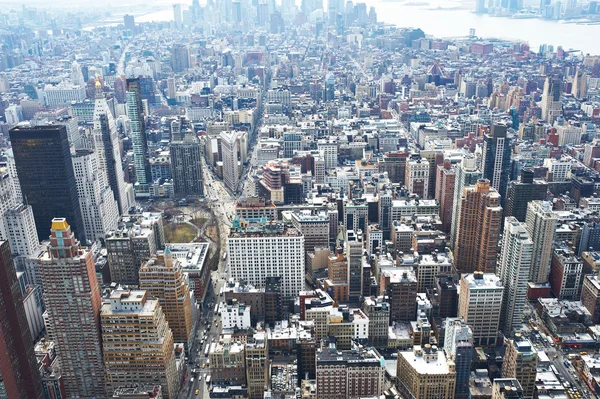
555	356
196	392
204	366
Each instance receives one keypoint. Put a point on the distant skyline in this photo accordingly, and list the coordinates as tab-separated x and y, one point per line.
435	17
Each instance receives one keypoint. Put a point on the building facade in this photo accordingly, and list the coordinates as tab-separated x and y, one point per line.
72	298
43	161
135	328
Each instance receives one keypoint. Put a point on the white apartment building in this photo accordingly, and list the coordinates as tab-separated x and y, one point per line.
230	150
236	315
559	168
515	262
480	304
54	96
99	208
259	251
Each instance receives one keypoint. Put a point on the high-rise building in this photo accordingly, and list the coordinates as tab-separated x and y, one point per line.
480	304
515	261
385	213
520	362
378	312
580	87
417	177
590	296
134	327
227	361
99	208
18	365
257	251
426	373
72	299
306	348
400	286
7	199
507	388
458	346
19	225
354	255
541	225
186	166
314	228
163	278
566	274
141	158
107	147
257	365
467	175
496	159
230	156
129	22
521	192
45	170
135	241
444	193
177	16
552	99
478	229
180	57
350	373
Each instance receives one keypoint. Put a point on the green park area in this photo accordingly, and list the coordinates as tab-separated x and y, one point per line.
179	233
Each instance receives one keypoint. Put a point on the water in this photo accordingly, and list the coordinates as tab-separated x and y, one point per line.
452	20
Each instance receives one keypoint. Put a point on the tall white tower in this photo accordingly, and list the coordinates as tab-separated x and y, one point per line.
515	262
106	140
99	208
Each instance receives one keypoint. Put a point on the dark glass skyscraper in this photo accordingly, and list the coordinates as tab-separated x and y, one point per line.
496	159
18	365
45	170
186	166
521	192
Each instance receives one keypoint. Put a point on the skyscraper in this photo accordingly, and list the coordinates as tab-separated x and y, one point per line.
72	298
180	57
541	225
129	22
417	177
163	278
458	346
230	149
135	111
135	326
177	16
515	261
99	208
45	170
18	365
579	88
478	229
186	166
552	99
108	149
496	159
273	249
354	253
520	362
521	192
257	365
467	175
480	304
444	193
